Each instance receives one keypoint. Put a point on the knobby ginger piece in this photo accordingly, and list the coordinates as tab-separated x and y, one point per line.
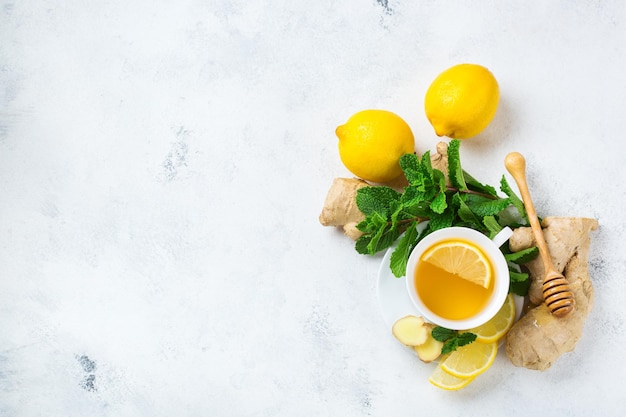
431	348
538	339
340	207
564	236
411	330
439	160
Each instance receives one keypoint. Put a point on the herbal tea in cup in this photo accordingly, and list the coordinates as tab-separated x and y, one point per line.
457	277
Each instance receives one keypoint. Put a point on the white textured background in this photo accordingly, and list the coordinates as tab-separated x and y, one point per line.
163	164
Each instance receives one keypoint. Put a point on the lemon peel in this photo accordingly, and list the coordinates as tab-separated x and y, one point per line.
442	379
371	143
462	101
470	360
499	325
462	259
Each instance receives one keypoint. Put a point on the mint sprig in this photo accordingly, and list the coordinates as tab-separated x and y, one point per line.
454	166
520	280
452	339
391	215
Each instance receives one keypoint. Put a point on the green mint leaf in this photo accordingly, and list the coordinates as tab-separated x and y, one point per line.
377	220
426	163
465	338
520	287
420	175
382	240
515	200
363	226
372	223
411	195
475	185
417	208
443	220
482	206
374	228
397	213
442	334
510	217
466	214
448	347
377	199
400	255
362	243
451	339
492	225
455	172
439	204
523	256
410	166
426	168
517	276
412	206
440	179
461	339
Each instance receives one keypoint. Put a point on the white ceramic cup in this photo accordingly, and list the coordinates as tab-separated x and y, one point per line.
491	249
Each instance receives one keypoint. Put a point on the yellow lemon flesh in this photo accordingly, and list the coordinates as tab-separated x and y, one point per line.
444	380
462	101
470	360
371	143
499	325
462	259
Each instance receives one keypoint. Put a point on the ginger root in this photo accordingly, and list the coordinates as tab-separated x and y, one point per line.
538	339
439	160
414	332
340	207
410	330
431	348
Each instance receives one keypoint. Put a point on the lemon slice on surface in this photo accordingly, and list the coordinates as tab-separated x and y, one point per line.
444	380
470	360
462	259
499	325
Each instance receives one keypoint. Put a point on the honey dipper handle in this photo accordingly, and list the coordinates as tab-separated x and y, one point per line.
516	165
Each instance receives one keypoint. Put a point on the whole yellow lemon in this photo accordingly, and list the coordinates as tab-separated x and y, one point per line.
371	143
462	101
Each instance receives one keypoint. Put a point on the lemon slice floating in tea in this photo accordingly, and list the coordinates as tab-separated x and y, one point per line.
499	325
470	360
462	259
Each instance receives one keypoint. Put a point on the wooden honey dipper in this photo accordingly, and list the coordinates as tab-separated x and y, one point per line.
556	292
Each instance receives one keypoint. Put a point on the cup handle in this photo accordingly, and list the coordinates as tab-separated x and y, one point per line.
502	236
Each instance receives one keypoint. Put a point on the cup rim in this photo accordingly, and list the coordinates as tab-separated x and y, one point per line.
489	248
